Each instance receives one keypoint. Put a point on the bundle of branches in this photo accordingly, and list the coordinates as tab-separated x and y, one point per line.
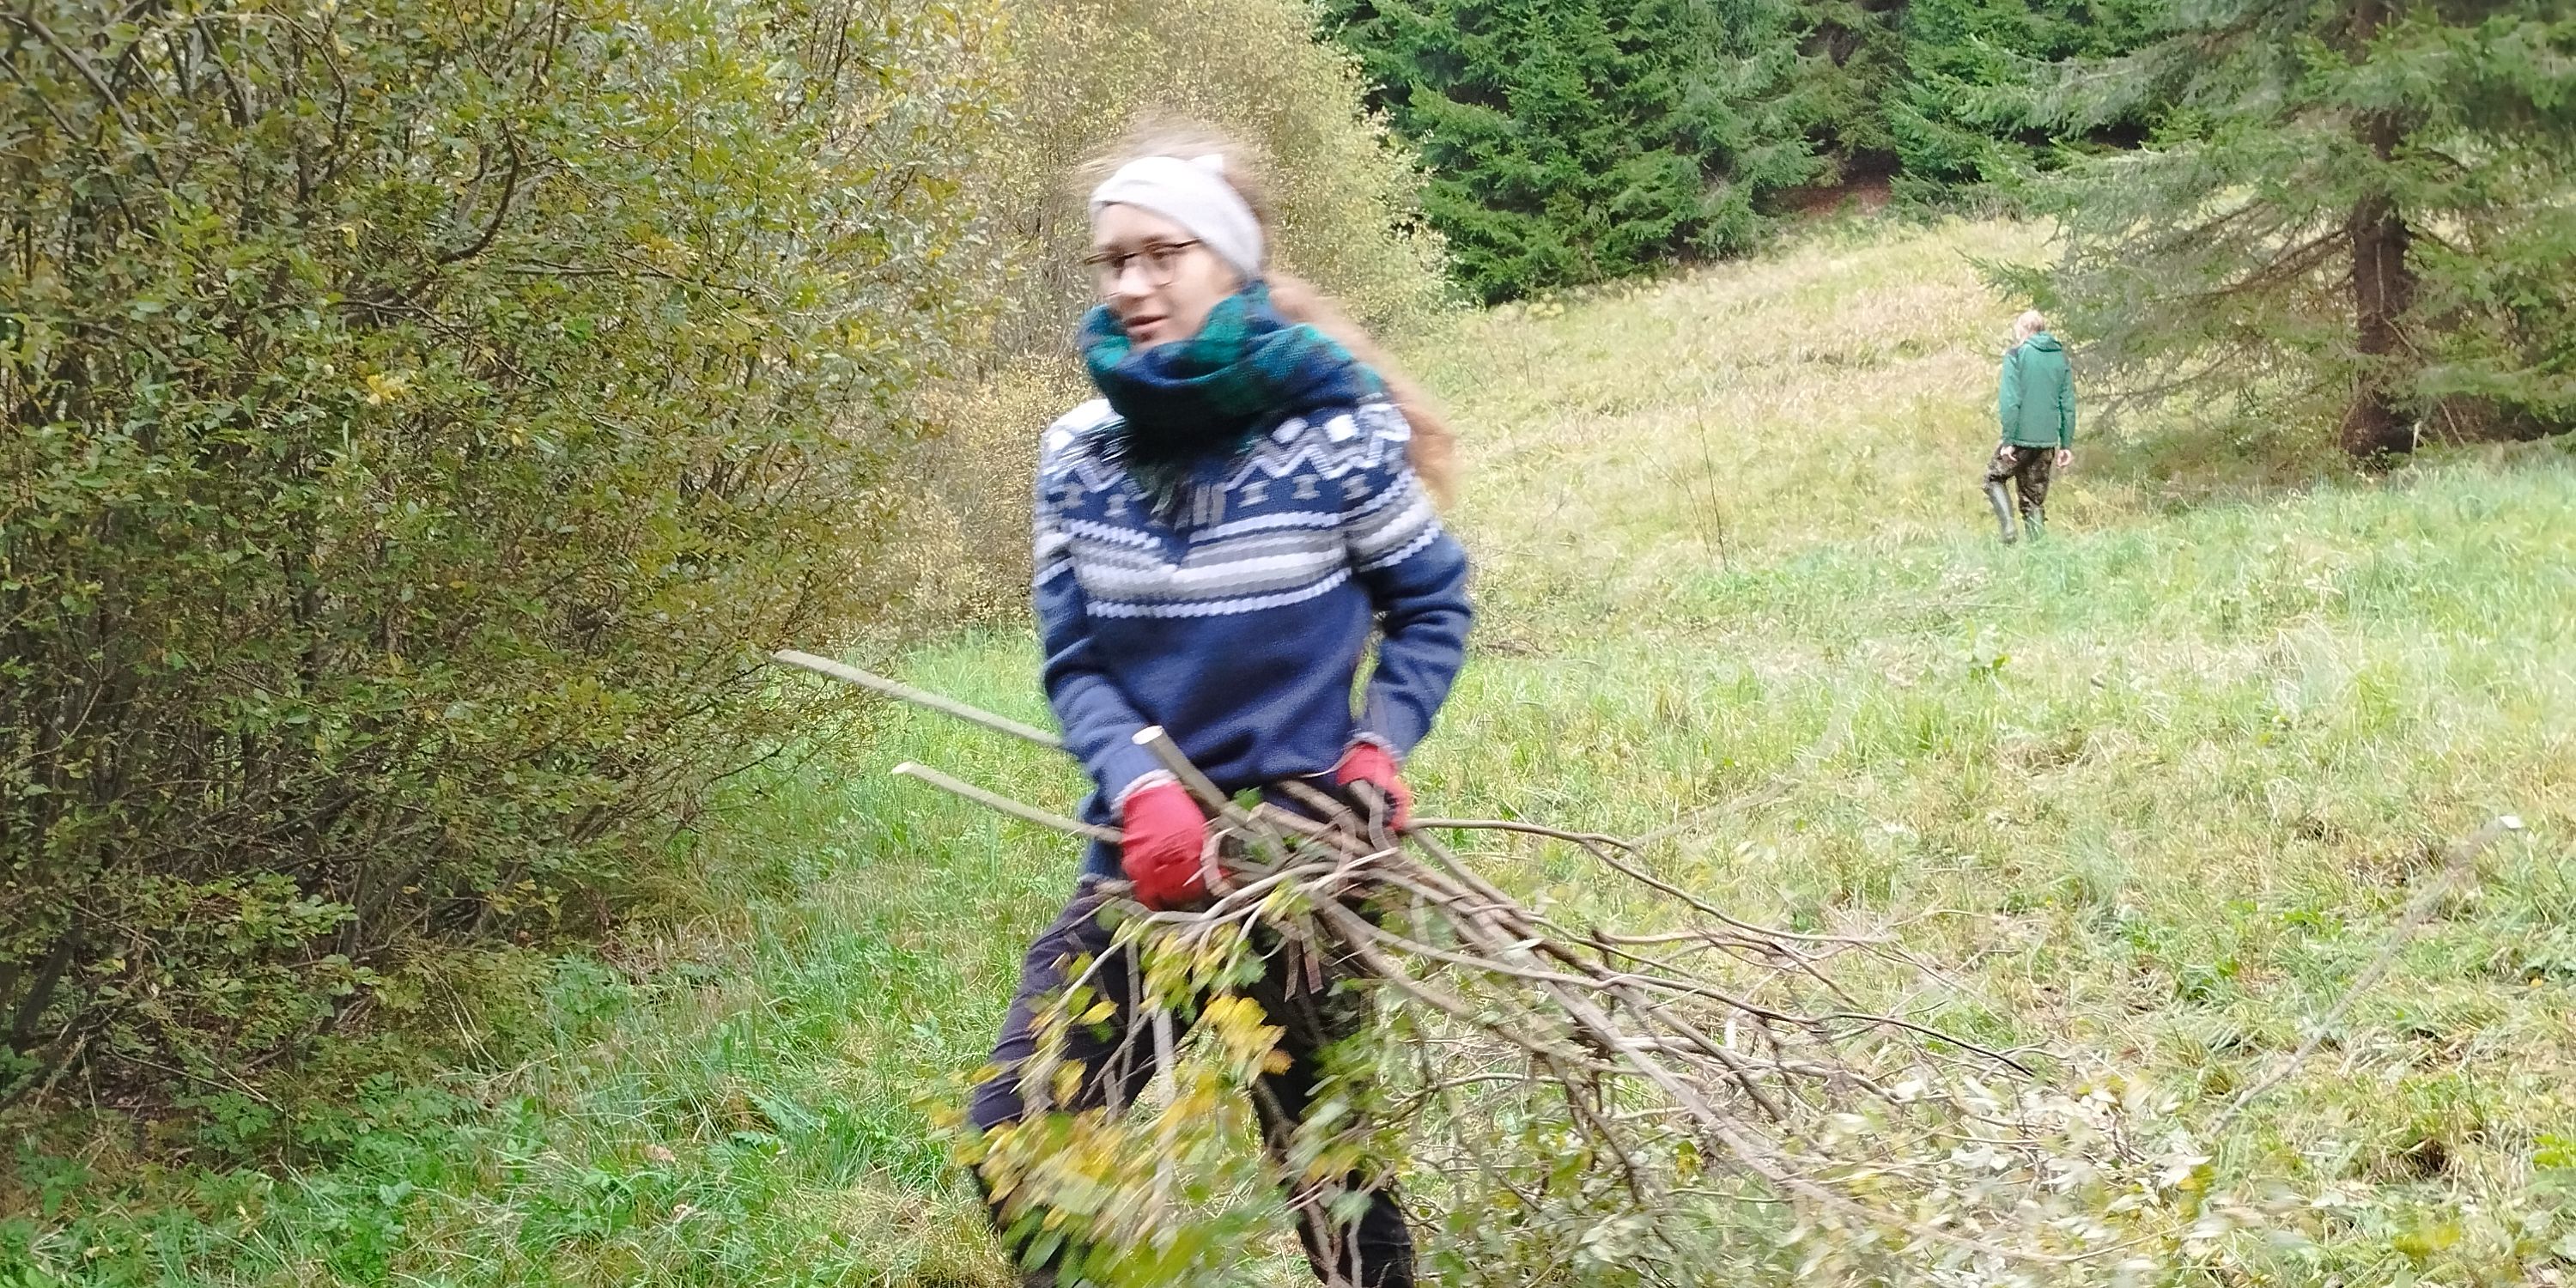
1558	1101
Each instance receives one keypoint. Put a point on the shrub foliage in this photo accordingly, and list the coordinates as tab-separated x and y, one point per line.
1080	74
421	415
1084	72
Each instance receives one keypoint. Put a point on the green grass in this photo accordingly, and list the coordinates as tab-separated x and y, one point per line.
2157	789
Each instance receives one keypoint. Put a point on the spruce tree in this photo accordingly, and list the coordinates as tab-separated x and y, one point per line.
1965	112
1575	141
1852	70
2361	210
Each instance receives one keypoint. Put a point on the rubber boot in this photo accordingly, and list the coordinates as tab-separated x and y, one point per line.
2034	524
2003	508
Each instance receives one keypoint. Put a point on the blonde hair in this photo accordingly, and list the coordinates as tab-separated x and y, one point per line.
2029	324
1433	451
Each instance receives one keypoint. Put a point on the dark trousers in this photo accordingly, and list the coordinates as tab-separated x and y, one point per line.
1117	1060
2028	467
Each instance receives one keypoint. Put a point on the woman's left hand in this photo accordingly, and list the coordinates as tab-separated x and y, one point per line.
1367	762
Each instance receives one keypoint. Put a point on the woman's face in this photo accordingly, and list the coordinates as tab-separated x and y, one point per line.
1158	281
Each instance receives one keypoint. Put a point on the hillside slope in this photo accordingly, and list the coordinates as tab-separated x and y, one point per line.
2158	788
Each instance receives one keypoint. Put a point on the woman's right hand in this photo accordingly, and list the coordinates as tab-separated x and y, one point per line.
1166	836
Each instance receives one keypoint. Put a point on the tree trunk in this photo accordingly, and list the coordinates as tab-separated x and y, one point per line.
40	992
2383	287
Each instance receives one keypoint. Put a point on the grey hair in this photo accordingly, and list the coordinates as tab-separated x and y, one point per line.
2030	323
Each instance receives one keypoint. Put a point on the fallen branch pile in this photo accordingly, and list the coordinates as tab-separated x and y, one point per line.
1567	1102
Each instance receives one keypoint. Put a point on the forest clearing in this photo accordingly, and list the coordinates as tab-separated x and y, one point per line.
1559	691
2157	789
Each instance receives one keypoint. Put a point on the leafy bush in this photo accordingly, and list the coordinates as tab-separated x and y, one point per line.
421	417
1085	73
1079	76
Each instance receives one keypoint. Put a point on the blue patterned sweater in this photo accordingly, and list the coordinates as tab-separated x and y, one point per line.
1235	615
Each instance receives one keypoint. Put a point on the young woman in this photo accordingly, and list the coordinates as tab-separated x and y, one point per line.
1217	534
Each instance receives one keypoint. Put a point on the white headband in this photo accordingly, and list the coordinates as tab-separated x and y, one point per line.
1195	195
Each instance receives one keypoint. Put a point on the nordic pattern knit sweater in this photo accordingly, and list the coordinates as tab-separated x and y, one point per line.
1235	614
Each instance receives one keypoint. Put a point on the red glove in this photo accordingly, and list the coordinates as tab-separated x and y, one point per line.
1367	762
1166	834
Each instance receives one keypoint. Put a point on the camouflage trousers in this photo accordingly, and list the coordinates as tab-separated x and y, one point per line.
2029	467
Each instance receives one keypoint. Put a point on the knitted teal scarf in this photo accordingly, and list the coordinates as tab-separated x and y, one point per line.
1206	397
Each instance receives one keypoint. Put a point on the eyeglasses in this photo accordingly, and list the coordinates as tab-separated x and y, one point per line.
1160	260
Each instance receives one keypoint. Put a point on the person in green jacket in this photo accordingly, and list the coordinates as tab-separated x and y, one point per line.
2037	407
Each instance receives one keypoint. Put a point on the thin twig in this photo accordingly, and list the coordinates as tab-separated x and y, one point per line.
1511	825
2461	864
1646	1055
989	800
907	693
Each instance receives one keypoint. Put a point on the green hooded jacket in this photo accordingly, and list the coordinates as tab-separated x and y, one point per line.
2037	402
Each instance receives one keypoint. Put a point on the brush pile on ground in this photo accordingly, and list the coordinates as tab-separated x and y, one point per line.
1558	1101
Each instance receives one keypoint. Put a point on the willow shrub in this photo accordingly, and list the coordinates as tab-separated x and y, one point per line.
1080	74
422	417
1084	71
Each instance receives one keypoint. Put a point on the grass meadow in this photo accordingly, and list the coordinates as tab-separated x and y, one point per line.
2156	790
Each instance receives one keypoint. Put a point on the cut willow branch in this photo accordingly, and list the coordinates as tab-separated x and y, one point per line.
1545	1083
1643	1064
1513	825
1215	802
996	801
2457	870
1599	845
904	692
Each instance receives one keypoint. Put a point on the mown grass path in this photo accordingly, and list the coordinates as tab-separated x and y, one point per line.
2156	788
